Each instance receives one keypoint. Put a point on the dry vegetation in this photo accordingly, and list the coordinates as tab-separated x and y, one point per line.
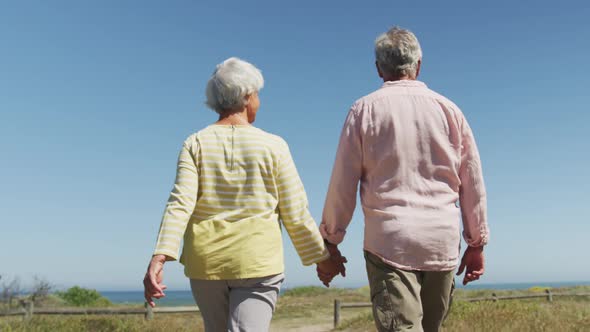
310	309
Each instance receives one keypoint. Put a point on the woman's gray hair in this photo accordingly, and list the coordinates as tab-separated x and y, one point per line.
231	82
397	52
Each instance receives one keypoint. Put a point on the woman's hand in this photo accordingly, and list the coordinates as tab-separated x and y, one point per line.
152	282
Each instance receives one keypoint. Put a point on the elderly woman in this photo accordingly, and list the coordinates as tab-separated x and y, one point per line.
234	183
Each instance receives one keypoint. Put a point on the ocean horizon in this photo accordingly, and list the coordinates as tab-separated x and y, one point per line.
185	297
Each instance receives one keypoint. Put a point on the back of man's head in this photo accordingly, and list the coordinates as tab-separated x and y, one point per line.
397	53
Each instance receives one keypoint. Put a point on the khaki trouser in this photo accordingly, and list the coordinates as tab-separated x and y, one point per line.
408	300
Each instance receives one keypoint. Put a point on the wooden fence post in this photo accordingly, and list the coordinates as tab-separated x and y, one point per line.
29	307
494	297
149	312
336	313
549	295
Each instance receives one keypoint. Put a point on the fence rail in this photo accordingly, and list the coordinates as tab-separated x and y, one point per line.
28	311
548	295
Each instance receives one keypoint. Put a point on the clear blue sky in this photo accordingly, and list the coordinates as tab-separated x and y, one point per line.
96	98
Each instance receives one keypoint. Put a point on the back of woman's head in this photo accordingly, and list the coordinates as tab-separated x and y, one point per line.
232	81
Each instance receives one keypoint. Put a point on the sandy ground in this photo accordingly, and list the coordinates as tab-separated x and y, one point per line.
324	324
308	328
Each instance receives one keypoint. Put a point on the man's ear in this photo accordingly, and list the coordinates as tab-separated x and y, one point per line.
378	69
418	67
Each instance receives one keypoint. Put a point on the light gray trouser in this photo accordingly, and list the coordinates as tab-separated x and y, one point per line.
237	305
408	300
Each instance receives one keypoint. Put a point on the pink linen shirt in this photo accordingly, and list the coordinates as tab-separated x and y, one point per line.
415	157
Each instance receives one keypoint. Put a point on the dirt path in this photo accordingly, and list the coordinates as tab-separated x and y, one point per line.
308	328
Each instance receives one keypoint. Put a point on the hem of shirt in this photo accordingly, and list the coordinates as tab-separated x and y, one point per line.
231	276
425	267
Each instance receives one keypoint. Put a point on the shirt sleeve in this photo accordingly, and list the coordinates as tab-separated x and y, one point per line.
181	203
341	198
294	212
472	192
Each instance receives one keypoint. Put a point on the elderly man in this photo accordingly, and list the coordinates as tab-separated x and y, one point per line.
415	157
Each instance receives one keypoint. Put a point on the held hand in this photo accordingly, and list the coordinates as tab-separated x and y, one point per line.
336	255
474	262
152	282
331	267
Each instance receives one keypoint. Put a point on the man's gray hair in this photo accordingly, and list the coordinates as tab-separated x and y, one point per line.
397	52
231	82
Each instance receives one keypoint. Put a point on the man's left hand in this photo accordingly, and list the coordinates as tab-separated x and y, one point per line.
474	262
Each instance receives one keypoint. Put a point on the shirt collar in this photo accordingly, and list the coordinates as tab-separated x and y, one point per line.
404	83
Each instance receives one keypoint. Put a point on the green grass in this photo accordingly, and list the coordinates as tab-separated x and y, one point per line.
502	316
537	290
520	315
306	291
563	314
103	323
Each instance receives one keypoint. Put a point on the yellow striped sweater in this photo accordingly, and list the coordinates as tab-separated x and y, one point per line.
233	185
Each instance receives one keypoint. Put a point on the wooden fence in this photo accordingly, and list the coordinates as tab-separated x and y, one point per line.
548	295
28	310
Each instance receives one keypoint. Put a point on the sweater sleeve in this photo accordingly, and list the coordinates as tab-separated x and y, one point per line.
181	203
472	193
294	212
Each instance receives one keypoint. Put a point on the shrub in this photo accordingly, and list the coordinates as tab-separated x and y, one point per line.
306	291
538	289
83	297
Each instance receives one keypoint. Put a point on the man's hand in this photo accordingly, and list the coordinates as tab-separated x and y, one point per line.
474	262
152	282
331	267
